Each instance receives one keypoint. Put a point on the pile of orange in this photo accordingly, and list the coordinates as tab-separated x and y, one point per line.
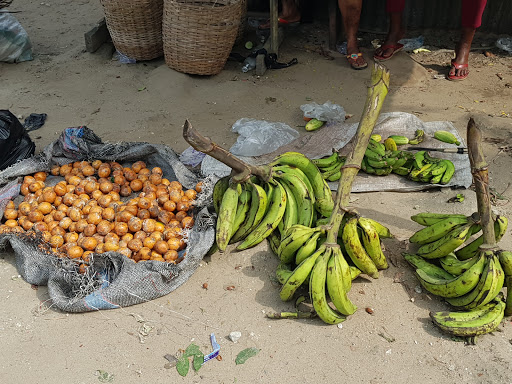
101	207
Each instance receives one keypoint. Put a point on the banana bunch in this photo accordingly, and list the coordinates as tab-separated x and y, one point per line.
330	166
251	210
432	170
383	158
444	233
472	282
306	258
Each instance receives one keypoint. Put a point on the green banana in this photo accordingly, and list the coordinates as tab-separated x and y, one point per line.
383	171
302	196
299	275
323	196
274	239
291	170
354	273
226	218
218	192
376	164
294	238
370	154
336	285
454	266
371	243
325	162
334	170
244	204
272	218
355	249
437	230
314	124
508	307
436	179
418	138
291	213
452	318
283	273
446	244
486	323
402	171
377	147
336	165
382	231
376	137
439	168
446	137
317	290
334	177
455	287
471	249
488	287
419	159
308	248
429	218
448	173
505	258
399	140
390	144
418	262
256	212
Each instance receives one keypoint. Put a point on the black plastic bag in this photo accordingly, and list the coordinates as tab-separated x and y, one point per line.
15	143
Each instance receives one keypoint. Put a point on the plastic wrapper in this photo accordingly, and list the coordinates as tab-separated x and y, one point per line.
15	46
258	137
328	112
505	43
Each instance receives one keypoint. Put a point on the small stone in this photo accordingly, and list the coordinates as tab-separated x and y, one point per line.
369	310
205	285
417	289
412	299
230	288
340	325
235	336
388	352
219	357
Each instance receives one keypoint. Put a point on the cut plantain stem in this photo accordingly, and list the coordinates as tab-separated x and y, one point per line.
204	144
377	91
479	169
290	315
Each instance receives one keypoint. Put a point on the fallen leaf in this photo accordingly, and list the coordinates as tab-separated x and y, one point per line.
246	354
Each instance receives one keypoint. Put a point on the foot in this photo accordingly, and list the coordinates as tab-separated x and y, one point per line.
354	56
458	71
389	48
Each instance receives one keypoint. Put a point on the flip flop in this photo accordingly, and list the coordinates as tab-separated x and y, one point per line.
457	67
280	22
395	47
352	60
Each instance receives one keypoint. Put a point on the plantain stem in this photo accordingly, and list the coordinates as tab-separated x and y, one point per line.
377	92
206	145
480	172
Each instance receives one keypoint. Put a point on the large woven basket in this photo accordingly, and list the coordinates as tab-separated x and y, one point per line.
135	27
199	35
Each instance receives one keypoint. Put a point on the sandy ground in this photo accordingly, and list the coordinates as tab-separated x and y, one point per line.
77	88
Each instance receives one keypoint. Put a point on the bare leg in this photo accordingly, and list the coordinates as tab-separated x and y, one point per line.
351	13
396	33
462	52
289	12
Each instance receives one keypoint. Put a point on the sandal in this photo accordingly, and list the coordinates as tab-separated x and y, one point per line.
457	67
395	47
280	23
352	60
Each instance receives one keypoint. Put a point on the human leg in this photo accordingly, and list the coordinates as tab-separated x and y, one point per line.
472	11
351	13
396	32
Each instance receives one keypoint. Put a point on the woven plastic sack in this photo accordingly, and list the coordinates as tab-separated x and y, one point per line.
111	280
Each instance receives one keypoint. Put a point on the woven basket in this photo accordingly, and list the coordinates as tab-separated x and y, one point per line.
198	35
243	22
5	3
135	27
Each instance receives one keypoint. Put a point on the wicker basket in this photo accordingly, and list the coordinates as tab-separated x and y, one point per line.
135	27
198	35
243	22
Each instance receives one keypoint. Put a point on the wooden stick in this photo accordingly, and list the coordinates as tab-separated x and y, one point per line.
377	91
480	172
204	144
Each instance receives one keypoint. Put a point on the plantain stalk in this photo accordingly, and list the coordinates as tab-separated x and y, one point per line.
377	91
480	172
204	144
